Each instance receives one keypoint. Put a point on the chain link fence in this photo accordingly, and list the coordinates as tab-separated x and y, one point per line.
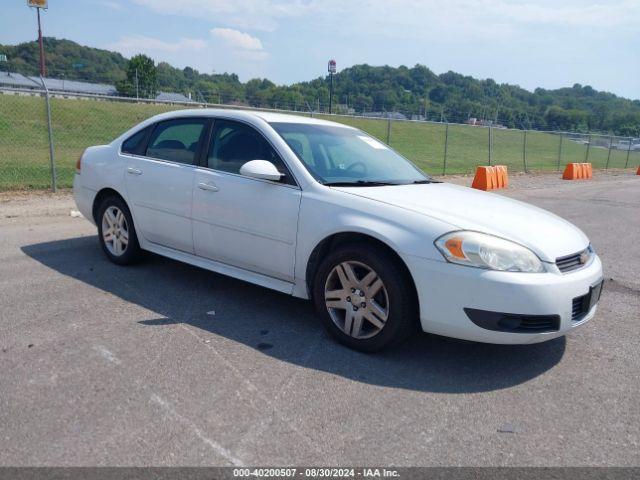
80	121
24	143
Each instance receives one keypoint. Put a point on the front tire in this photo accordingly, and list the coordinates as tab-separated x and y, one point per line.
116	232
365	298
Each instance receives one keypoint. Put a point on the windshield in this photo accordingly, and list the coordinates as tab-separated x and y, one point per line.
339	155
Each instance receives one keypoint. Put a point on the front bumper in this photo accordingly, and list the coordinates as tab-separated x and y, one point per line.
445	290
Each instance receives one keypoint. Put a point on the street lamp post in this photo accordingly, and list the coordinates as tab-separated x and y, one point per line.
332	70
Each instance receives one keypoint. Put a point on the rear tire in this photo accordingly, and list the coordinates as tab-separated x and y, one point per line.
116	232
364	298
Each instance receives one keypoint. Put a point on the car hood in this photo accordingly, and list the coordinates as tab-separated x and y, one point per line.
548	235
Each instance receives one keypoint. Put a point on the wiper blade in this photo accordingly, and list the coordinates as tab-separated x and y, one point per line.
374	183
359	183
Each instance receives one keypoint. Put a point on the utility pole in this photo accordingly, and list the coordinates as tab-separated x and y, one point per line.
332	70
43	70
38	5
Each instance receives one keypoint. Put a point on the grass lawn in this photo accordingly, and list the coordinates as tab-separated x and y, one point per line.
468	147
77	124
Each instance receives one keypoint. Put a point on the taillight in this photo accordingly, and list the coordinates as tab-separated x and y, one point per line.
79	163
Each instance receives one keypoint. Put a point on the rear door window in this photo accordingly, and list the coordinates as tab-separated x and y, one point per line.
177	140
134	144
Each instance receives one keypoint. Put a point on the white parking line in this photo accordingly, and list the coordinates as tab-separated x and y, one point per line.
215	446
263	400
106	354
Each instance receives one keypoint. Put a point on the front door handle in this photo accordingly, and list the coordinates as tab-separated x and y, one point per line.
134	171
211	187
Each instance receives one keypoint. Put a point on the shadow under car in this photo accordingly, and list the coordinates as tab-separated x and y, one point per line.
285	328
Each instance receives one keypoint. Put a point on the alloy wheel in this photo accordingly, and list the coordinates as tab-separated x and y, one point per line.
115	231
356	299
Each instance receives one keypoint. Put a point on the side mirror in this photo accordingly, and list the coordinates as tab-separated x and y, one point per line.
261	169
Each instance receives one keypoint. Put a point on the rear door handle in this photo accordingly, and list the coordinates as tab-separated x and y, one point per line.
211	187
134	171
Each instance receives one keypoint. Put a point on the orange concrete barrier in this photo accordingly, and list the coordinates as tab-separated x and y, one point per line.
503	176
578	171
570	172
489	178
484	178
499	178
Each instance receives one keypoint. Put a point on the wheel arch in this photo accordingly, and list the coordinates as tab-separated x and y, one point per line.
333	241
100	196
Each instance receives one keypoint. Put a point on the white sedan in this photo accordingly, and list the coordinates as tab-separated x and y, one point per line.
325	212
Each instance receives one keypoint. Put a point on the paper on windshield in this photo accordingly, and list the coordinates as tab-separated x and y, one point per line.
372	142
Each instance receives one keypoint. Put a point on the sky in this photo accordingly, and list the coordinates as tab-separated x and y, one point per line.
531	43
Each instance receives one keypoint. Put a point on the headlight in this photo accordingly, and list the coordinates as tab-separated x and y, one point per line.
486	251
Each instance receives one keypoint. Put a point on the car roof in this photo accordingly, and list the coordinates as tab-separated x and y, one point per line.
269	117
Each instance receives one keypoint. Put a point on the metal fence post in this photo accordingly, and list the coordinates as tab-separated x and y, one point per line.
586	157
490	144
524	151
626	164
560	152
389	131
446	143
609	154
52	162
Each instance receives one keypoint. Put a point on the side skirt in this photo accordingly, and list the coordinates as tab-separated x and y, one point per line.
224	269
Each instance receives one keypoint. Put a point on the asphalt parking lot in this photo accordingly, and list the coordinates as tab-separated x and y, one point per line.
167	364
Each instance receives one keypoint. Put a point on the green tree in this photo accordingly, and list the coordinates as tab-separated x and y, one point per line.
142	78
367	88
